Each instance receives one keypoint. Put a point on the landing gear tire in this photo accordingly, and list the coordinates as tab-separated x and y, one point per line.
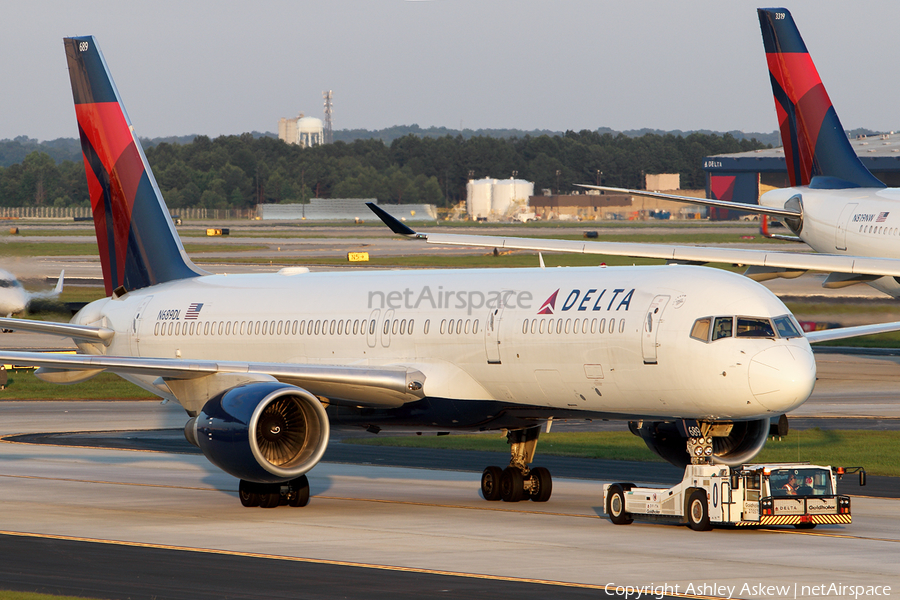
698	511
299	495
615	506
248	494
541	484
270	500
490	483
512	485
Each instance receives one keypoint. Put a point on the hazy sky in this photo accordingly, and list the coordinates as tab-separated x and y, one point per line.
226	67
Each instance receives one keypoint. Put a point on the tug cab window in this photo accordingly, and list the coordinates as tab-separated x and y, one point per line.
800	482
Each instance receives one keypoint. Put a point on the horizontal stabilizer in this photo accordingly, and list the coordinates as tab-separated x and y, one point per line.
69	330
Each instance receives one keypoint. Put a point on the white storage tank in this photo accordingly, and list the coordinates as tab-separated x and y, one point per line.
310	131
478	198
509	194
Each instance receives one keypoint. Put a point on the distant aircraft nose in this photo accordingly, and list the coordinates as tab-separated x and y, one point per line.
782	377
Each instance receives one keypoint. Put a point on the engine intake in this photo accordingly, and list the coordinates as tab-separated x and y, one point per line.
744	441
265	432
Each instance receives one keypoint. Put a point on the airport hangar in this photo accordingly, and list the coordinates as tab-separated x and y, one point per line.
742	177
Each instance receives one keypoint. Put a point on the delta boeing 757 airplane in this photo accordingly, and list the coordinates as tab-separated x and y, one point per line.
698	360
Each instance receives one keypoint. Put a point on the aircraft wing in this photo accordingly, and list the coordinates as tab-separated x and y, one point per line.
827	335
370	386
794	261
754	208
803	261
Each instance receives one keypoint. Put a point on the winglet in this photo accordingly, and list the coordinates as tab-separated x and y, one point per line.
59	284
392	222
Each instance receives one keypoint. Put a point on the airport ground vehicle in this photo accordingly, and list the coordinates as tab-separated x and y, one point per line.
798	494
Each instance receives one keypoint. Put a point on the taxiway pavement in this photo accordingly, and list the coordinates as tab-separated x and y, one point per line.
386	520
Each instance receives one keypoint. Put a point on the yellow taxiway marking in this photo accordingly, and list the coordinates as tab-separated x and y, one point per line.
338	563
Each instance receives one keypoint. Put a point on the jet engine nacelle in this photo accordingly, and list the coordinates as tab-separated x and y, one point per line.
668	440
264	432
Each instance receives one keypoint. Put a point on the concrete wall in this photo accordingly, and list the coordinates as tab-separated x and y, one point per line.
344	209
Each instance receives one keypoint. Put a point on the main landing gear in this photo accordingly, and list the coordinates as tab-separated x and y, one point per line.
269	495
517	482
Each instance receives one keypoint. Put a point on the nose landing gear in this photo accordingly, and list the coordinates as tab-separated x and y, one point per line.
517	482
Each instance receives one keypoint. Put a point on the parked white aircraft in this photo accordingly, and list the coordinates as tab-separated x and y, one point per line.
698	359
834	203
13	297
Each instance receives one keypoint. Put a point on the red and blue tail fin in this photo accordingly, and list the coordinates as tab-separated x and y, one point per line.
135	234
816	148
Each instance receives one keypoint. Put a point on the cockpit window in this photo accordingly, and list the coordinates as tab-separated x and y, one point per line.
752	327
723	328
786	327
700	331
708	329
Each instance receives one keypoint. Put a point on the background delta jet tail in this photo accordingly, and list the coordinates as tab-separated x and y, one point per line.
698	359
817	151
834	203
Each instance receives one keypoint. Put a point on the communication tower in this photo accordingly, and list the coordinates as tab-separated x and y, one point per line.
329	133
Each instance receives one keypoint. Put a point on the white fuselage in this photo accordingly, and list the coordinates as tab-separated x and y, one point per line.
13	298
852	222
615	341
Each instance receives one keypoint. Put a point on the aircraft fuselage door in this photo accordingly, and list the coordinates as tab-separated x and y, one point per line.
840	234
651	328
136	325
492	336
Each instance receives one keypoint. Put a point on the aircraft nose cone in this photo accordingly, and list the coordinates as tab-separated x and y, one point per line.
782	378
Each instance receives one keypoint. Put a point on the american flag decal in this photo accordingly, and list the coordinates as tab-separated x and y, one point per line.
882	217
193	311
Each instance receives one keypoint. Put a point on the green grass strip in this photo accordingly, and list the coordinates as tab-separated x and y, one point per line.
6	595
874	450
23	385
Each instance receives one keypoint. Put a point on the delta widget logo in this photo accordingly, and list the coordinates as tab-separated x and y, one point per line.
589	301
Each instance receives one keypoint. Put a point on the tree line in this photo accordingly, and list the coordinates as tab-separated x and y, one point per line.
242	171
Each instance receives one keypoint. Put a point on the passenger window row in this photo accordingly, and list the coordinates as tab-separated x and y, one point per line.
459	326
879	230
562	326
297	327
